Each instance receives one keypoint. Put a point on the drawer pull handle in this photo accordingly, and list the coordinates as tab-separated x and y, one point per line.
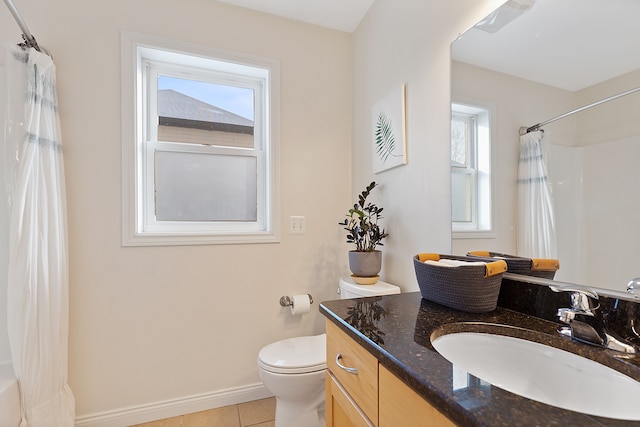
353	371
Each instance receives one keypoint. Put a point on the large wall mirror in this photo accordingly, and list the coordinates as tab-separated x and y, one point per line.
554	58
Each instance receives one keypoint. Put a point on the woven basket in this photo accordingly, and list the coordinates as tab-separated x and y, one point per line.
538	267
472	288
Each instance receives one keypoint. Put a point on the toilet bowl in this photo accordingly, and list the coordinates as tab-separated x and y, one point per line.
293	369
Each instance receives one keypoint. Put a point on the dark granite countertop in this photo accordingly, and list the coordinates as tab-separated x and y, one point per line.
401	340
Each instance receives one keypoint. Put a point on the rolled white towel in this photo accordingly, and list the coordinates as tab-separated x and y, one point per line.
453	263
458	263
437	263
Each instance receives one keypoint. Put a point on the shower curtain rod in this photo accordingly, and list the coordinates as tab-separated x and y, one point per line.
524	130
29	39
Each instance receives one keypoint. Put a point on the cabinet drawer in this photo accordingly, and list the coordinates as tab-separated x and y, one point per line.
361	384
342	411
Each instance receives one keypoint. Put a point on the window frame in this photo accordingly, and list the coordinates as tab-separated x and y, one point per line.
483	222
470	168
144	55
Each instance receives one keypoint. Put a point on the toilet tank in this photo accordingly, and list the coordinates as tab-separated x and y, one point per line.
350	289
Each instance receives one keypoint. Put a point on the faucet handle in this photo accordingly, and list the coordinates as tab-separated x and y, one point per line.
581	302
580	299
566	315
633	287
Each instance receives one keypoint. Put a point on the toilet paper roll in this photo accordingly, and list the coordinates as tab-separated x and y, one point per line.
300	304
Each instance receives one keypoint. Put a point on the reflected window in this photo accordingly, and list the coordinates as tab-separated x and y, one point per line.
469	391
470	169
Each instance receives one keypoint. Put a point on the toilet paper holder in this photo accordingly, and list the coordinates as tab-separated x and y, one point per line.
286	300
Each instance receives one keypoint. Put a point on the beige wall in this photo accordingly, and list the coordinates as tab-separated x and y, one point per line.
611	121
148	325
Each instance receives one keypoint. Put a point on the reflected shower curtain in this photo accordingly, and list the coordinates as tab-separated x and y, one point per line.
536	219
38	279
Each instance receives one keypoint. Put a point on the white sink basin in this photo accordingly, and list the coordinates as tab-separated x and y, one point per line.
542	373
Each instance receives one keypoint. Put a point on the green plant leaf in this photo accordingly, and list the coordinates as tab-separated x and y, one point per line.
384	138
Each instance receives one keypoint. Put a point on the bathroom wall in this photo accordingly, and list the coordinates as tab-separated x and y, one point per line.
613	120
155	331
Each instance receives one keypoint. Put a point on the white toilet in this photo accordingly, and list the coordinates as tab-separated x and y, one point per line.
293	369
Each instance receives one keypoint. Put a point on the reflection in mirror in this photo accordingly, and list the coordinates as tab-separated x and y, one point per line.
365	316
552	59
471	168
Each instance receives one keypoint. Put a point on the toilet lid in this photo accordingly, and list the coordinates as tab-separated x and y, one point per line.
378	288
294	355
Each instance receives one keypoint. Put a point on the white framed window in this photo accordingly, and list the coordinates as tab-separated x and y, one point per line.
199	144
471	186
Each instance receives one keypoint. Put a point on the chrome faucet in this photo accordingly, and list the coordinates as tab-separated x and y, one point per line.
584	322
633	287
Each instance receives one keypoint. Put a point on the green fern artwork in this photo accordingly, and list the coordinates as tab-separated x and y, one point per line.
384	137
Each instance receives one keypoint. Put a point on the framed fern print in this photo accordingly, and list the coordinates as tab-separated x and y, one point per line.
389	131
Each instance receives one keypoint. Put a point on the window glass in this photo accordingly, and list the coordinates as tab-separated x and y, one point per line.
205	187
459	141
199	112
461	207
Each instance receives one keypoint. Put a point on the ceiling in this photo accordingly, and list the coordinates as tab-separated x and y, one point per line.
343	15
570	44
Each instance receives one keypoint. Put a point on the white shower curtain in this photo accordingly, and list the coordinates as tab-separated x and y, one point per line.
38	279
536	219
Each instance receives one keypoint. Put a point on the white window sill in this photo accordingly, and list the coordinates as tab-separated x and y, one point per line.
473	234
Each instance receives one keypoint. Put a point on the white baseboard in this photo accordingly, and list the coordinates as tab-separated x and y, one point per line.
173	408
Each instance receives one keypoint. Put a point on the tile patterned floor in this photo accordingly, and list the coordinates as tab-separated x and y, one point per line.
259	413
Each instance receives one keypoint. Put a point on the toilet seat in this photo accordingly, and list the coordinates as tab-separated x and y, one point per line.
298	355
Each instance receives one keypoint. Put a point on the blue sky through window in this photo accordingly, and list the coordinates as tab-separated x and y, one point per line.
237	100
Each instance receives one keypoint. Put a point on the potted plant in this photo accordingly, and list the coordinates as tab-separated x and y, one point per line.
364	232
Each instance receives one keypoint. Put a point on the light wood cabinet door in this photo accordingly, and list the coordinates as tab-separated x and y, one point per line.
342	411
344	354
401	406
